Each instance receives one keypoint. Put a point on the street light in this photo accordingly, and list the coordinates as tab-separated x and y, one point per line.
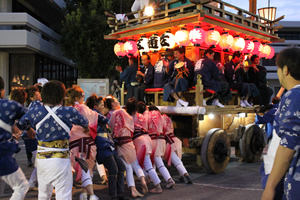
268	13
149	11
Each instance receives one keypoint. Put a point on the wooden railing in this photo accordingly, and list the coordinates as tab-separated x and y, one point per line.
222	12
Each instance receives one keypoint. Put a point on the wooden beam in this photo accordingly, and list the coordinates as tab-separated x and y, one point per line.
111	37
158	25
236	28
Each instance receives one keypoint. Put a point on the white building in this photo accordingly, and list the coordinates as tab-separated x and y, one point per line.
291	33
29	36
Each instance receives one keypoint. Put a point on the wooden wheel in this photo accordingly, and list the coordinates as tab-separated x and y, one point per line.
215	150
252	143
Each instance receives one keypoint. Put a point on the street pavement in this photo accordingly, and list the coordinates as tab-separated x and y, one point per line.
239	181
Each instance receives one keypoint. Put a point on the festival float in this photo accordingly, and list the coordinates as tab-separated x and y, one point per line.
207	131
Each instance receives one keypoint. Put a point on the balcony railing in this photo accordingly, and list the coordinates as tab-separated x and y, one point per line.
23	21
220	11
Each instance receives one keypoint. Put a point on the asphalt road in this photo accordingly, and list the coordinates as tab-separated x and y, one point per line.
239	181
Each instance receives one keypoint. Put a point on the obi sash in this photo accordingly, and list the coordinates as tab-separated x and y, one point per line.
56	148
137	134
169	137
84	145
122	140
155	136
53	149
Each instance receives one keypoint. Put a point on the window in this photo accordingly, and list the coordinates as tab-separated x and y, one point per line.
54	70
289	35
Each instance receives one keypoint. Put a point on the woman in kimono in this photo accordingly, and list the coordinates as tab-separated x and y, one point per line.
112	104
143	143
122	126
80	141
174	150
106	152
96	104
155	131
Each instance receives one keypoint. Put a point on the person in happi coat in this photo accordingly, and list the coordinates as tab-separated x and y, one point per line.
111	104
287	127
96	104
129	76
155	131
210	76
148	76
257	75
179	82
33	98
10	172
122	126
53	123
143	143
161	69
106	152
235	76
80	141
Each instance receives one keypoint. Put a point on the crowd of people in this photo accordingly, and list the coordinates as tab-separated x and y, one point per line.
175	73
67	135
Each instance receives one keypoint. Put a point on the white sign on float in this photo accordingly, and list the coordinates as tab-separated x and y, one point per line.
97	86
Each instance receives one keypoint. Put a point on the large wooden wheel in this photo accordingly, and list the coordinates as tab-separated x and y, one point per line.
215	150
252	143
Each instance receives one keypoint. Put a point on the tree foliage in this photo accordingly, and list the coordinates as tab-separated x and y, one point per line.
83	33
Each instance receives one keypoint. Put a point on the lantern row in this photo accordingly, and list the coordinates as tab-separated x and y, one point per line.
197	37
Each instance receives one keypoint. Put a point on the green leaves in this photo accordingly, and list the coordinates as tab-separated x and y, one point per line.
83	41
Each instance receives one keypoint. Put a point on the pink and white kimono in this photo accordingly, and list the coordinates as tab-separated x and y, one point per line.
123	126
82	145
155	131
173	152
143	146
173	143
141	140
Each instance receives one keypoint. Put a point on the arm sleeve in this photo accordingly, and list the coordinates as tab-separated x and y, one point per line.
79	119
289	123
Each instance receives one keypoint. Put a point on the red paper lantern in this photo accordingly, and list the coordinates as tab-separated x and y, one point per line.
130	47
257	48
239	44
182	37
249	46
212	38
226	41
119	49
197	36
266	50
272	53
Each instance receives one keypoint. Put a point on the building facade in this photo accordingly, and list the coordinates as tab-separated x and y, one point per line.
291	33
29	43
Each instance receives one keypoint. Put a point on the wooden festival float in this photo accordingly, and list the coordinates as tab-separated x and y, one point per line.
207	131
